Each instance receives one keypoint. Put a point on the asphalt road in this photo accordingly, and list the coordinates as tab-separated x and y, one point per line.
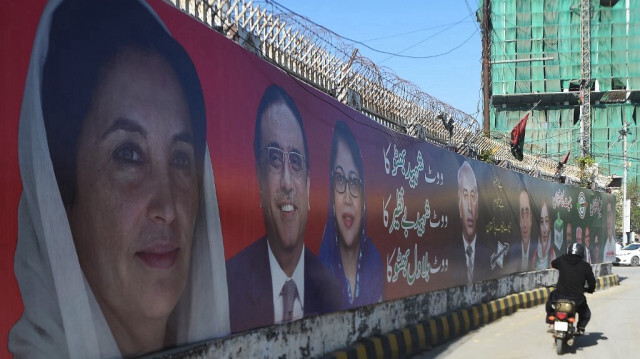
612	333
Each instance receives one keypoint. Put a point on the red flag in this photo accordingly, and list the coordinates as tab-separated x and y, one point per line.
581	99
564	161
517	137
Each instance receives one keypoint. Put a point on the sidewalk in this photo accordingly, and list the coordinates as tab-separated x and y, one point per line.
417	338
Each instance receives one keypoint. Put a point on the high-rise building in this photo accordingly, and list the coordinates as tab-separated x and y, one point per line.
544	52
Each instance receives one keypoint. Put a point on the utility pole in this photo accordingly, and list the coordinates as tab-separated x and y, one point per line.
625	208
486	66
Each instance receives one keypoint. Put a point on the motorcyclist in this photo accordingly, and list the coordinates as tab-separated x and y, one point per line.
574	272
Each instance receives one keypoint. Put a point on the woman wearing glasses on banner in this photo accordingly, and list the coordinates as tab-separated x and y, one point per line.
346	249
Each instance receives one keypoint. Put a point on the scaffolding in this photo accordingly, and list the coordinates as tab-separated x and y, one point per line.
581	59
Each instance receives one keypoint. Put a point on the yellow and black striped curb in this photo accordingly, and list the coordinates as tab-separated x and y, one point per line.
417	338
607	281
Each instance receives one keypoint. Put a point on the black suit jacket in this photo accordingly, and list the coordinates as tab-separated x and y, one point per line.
251	292
515	257
458	262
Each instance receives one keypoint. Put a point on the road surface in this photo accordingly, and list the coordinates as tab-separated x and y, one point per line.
612	333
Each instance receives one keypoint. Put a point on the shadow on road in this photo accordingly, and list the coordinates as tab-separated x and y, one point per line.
589	340
584	341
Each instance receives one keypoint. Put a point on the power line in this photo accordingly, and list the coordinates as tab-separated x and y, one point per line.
393	54
413	31
426	57
471	13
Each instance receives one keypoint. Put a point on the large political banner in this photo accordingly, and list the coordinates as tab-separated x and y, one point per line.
164	186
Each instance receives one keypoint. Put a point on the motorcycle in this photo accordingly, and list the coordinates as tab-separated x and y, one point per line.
563	318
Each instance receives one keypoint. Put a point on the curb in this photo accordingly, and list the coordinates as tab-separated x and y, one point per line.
416	338
607	281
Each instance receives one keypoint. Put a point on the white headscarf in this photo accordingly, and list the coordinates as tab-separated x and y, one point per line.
61	315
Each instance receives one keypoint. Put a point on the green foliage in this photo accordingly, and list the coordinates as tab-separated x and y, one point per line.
486	156
585	164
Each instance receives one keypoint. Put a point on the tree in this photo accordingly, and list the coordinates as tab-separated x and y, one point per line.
486	156
587	171
633	194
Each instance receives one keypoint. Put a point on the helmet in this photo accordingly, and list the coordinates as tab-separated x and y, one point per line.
577	249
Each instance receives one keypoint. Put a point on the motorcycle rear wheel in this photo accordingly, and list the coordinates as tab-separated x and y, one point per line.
559	346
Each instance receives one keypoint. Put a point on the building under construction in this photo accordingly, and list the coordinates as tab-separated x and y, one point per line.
576	63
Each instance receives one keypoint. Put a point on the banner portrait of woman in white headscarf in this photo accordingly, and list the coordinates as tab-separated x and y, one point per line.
119	242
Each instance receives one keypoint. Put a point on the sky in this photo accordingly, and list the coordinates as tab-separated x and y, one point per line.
419	28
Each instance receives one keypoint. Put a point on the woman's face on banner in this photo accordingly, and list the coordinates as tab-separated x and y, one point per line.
348	208
545	227
587	237
137	189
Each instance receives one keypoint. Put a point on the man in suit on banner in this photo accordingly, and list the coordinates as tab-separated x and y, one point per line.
523	249
276	279
469	254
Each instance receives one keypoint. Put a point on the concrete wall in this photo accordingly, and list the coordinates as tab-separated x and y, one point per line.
316	336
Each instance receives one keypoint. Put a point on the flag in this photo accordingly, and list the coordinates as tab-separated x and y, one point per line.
517	138
581	98
563	162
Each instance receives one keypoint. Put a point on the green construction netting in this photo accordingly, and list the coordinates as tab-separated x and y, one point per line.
557	24
619	70
551	28
634	21
497	48
537	47
537	7
599	120
615	116
498	22
553	85
566	117
605	14
550	32
537	76
619	16
536	141
634	64
512	118
560	137
509	7
537	31
628	113
551	12
497	74
501	121
552	122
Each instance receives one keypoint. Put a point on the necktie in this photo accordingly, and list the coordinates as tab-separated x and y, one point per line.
469	252
289	294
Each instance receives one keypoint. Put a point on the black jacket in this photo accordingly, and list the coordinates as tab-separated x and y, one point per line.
574	272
